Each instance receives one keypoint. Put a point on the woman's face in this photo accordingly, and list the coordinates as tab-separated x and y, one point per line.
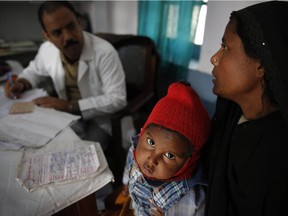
236	75
161	153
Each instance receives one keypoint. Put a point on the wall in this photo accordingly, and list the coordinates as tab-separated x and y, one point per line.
18	19
112	16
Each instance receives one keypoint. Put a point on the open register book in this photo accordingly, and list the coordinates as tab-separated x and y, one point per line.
38	170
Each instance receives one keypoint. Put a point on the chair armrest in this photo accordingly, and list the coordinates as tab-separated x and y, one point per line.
133	105
118	152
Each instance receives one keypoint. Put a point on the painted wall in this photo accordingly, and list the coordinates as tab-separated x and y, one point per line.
112	16
18	19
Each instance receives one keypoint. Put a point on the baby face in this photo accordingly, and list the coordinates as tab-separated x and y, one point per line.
161	153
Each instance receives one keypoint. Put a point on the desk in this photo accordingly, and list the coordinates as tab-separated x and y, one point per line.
15	200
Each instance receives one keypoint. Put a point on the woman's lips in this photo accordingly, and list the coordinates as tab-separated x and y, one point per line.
214	78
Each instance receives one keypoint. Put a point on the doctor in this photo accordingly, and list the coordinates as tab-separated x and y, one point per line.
86	71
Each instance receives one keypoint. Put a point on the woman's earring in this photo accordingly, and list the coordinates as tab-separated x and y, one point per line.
214	60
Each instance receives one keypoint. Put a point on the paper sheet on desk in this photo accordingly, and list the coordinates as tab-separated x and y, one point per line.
6	103
38	170
34	129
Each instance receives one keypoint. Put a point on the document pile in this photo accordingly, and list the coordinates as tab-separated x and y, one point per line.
34	129
38	170
6	104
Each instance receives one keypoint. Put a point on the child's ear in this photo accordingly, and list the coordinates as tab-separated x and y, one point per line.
45	35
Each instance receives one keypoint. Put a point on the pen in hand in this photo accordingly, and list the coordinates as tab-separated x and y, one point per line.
11	83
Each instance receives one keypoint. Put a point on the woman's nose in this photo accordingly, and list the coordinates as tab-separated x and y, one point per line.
214	60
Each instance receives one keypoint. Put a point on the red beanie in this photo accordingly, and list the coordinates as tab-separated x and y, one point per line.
182	111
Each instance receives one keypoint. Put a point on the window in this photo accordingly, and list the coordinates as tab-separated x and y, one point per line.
172	21
176	26
198	39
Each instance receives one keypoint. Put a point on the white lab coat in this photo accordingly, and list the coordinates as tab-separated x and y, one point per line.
101	78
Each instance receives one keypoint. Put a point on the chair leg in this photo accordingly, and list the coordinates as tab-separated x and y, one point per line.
117	154
118	166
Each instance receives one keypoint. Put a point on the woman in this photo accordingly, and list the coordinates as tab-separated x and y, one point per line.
248	148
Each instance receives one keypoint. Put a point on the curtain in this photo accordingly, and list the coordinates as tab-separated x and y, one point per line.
172	25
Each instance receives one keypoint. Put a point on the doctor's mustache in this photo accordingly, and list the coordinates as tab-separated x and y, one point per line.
70	43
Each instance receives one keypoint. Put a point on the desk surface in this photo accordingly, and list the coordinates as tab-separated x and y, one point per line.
15	200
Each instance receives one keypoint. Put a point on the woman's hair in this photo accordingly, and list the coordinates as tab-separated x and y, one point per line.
52	6
255	47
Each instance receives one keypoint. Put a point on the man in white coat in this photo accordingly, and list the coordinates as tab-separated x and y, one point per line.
86	72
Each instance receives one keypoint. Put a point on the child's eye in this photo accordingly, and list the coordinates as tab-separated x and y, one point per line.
169	155
150	142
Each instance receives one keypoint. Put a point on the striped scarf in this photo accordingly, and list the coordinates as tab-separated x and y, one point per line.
147	194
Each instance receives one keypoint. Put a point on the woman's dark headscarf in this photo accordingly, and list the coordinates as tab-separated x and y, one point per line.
263	29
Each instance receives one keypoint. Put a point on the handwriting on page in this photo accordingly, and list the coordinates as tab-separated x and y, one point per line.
39	170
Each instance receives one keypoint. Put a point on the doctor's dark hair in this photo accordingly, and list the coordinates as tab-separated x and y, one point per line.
255	47
52	6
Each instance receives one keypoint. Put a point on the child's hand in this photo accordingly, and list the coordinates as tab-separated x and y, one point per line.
156	211
122	195
125	191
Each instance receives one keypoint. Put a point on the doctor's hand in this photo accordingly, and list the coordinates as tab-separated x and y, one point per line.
53	102
15	87
14	91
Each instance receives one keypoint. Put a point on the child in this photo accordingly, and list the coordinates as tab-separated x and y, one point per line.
164	175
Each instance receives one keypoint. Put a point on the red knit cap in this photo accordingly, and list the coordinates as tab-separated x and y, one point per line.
182	111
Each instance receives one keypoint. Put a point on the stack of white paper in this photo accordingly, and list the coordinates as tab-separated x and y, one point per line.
6	103
34	129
